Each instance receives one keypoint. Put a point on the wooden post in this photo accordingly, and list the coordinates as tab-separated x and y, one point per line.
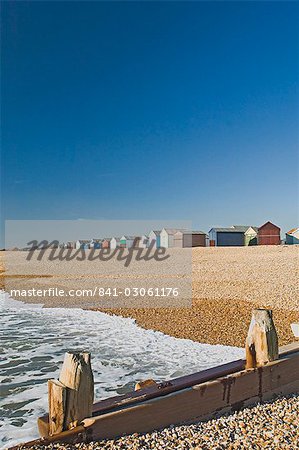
57	403
71	398
262	341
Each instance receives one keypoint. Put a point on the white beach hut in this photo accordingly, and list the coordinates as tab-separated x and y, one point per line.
115	242
143	243
167	237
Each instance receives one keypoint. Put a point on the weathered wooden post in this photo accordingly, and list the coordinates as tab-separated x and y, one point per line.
71	398
262	341
57	405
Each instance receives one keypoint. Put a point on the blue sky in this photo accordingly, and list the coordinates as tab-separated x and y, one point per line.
161	110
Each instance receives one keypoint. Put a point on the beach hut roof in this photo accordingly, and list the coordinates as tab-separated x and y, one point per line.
157	232
293	231
191	232
250	229
242	228
174	230
130	238
269	223
226	229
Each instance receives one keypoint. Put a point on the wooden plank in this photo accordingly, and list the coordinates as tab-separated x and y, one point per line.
179	383
289	348
200	402
125	400
57	403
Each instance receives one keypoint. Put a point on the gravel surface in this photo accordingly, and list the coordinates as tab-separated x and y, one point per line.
271	425
268	275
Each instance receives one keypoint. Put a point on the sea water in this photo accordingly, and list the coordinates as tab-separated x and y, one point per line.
34	340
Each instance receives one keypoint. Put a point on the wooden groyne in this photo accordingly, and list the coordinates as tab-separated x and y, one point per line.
266	372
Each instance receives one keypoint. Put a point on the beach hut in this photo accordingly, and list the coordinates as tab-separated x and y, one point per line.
183	239
226	237
268	234
292	236
95	243
106	242
82	243
129	241
250	236
154	239
70	244
143	242
136	241
167	237
115	242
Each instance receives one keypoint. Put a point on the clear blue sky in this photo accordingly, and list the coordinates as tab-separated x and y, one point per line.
161	110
